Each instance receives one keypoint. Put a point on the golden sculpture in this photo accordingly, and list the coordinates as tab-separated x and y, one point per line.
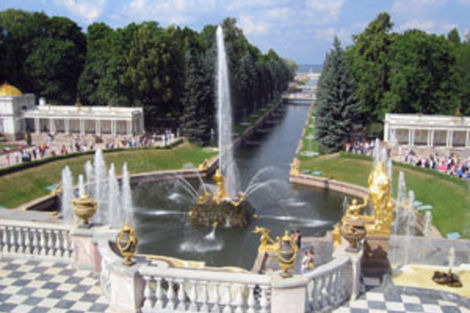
84	207
266	243
220	195
203	166
294	168
336	234
354	209
286	254
381	200
127	243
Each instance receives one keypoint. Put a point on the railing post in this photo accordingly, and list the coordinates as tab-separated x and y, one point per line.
192	296
148	294
158	293
286	289
181	297
228	299
251	299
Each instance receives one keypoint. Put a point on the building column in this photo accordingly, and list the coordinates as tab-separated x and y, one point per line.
467	139
51	126
411	137
386	133
113	127
82	126
449	138
67	126
141	120
129	128
37	125
98	127
431	137
393	135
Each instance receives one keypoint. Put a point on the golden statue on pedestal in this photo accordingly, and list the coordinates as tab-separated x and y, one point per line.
220	195
266	243
381	200
294	168
352	224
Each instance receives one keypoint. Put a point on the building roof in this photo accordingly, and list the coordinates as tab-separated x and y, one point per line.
7	90
83	112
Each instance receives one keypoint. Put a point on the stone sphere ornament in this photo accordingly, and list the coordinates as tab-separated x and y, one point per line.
127	243
84	208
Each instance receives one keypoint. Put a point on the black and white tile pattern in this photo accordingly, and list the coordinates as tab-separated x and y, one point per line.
29	286
377	299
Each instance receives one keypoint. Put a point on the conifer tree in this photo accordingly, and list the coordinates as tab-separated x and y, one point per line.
198	99
337	108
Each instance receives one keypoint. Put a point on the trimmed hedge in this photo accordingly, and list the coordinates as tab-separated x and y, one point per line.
25	165
424	170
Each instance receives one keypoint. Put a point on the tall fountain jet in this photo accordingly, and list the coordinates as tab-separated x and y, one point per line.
224	118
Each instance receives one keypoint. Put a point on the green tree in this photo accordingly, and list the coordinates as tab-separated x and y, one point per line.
422	77
337	108
369	57
198	115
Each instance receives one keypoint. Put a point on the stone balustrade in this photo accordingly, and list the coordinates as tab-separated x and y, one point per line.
329	285
188	290
42	240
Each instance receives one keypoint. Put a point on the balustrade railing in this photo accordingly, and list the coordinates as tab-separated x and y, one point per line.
187	290
45	240
329	285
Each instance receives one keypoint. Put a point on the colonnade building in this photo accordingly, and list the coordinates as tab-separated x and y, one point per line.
427	130
19	114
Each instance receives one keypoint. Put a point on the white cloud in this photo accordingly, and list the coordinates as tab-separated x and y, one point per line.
168	11
87	10
325	11
252	25
327	34
416	8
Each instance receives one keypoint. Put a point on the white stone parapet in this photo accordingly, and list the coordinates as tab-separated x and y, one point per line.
329	285
190	290
35	239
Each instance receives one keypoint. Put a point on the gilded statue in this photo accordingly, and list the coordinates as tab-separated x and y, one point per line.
381	200
220	194
266	243
294	168
354	209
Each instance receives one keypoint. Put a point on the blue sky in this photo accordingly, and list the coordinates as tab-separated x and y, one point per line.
302	30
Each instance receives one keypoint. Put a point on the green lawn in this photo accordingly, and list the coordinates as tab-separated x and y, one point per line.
28	184
309	144
450	199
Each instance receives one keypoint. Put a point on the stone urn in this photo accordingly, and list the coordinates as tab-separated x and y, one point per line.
84	208
287	253
127	243
353	230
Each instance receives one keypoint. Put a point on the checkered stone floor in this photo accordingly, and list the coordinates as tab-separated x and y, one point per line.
29	286
379	300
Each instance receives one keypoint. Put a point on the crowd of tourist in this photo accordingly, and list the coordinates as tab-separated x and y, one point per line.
75	144
452	165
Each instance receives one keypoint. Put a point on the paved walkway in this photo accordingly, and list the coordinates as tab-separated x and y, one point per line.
28	286
380	299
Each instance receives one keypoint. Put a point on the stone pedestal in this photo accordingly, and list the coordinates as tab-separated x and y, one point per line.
375	260
127	288
86	252
288	294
